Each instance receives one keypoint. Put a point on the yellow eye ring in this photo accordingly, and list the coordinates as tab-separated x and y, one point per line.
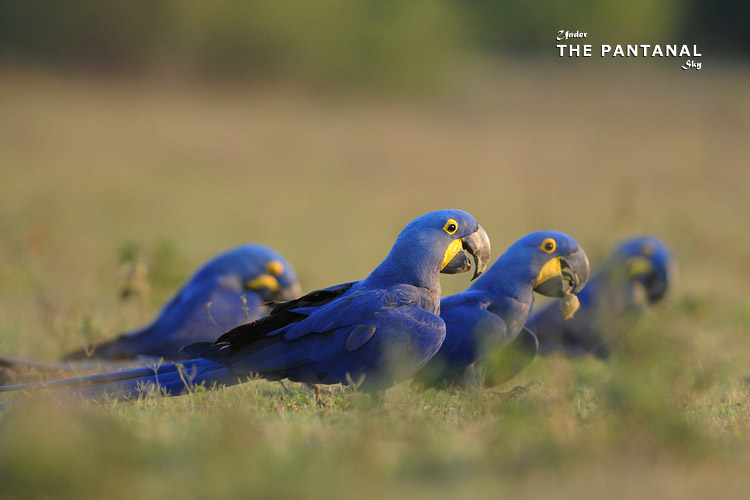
549	245
648	250
275	268
451	226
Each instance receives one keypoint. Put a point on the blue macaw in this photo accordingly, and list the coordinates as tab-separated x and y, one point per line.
639	273
372	333
227	291
490	314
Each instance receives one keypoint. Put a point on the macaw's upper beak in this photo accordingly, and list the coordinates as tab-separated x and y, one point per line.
478	245
563	275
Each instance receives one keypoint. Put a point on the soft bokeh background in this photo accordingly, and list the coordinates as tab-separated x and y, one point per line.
164	132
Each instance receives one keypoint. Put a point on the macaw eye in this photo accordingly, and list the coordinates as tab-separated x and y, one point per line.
275	268
648	250
451	226
549	245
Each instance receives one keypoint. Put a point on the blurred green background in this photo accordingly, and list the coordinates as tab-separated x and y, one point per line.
163	132
363	42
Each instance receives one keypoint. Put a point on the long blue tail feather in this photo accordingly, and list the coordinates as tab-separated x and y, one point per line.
35	371
171	379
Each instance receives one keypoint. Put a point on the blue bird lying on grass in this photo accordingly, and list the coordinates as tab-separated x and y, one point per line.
490	314
638	274
227	291
372	333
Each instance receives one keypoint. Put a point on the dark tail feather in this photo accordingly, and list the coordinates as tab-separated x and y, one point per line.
171	379
97	379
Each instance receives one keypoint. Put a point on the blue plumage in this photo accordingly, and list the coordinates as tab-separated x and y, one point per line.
491	313
377	331
639	273
227	291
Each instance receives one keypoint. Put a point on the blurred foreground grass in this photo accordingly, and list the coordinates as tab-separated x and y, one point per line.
92	171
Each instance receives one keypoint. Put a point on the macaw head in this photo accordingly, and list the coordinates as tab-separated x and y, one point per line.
649	262
559	266
437	242
259	269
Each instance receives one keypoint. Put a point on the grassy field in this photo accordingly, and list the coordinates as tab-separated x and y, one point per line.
172	172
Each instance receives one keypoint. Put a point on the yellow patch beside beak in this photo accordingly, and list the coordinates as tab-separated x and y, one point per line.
263	281
450	252
550	270
639	265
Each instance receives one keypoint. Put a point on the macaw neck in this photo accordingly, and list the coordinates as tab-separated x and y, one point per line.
402	267
509	277
387	274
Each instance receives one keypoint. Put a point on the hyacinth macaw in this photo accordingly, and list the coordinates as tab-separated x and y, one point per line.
484	319
638	274
374	332
227	291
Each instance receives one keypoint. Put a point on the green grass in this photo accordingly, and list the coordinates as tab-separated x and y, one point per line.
169	173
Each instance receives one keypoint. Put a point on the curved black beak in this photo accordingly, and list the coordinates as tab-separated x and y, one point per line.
563	275
478	245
